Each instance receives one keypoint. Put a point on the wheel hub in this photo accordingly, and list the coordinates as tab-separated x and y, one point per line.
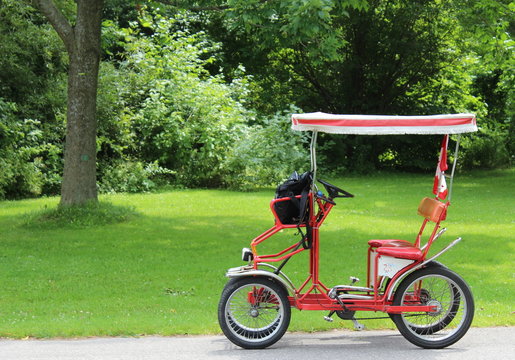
436	304
254	313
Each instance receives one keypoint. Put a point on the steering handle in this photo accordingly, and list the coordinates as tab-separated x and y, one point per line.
321	196
335	191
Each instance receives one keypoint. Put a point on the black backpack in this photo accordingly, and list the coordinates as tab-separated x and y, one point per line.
293	211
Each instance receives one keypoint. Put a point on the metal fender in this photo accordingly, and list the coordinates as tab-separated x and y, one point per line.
397	282
245	271
429	262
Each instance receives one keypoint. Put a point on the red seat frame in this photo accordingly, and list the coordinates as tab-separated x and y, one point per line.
432	210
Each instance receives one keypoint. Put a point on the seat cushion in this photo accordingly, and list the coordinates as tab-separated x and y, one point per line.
404	252
389	242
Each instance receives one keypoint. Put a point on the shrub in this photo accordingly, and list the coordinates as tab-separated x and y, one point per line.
180	116
20	175
488	149
131	177
266	153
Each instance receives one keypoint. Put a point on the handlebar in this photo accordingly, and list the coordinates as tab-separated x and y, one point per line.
320	195
334	191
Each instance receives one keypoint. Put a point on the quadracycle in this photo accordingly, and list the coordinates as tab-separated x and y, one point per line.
431	305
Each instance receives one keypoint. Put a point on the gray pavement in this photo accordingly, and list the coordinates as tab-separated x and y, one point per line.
478	343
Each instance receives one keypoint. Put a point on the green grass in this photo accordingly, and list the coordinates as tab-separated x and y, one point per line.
88	215
162	271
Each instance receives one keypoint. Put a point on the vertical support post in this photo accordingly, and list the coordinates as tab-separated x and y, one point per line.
455	161
312	220
313	154
376	274
312	211
314	257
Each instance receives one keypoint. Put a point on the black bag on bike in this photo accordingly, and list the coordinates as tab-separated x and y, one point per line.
293	211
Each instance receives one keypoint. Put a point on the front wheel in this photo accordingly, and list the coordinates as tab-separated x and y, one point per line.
254	312
448	292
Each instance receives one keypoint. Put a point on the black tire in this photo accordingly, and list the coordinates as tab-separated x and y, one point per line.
440	287
254	312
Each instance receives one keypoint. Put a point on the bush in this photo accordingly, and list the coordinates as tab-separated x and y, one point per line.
20	175
161	106
266	153
488	149
131	177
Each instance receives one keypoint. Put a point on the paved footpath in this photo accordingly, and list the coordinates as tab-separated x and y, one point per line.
478	343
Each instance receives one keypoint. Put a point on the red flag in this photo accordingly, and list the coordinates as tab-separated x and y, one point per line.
440	185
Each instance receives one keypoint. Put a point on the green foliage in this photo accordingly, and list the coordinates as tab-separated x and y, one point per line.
186	119
29	165
32	64
132	177
182	118
19	174
266	153
32	85
388	57
487	30
197	98
486	150
115	103
288	23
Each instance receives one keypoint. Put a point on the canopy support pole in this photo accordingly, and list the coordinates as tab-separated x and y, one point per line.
455	161
312	149
313	153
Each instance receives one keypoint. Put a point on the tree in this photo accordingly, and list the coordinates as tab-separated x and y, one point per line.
387	57
82	42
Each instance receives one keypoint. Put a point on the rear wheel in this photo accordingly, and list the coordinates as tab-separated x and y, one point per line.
448	293
254	312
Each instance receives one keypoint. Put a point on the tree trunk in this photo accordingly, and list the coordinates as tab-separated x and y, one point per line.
82	43
79	177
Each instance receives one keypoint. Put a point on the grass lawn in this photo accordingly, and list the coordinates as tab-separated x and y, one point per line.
162	272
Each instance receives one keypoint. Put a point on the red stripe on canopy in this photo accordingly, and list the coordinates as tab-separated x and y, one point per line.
381	123
384	124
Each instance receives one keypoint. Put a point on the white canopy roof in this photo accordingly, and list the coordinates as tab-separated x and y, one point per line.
384	124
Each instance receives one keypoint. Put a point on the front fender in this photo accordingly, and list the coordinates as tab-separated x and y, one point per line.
245	271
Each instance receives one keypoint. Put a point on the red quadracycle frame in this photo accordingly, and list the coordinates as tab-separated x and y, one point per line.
431	305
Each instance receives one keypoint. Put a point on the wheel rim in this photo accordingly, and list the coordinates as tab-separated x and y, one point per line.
449	300
254	312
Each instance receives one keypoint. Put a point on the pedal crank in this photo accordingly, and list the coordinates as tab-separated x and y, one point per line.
357	325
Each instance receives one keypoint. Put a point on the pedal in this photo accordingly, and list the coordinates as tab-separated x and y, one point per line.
358	326
353	279
328	317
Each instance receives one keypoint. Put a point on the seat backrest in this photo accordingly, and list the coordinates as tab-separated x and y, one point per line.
432	209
